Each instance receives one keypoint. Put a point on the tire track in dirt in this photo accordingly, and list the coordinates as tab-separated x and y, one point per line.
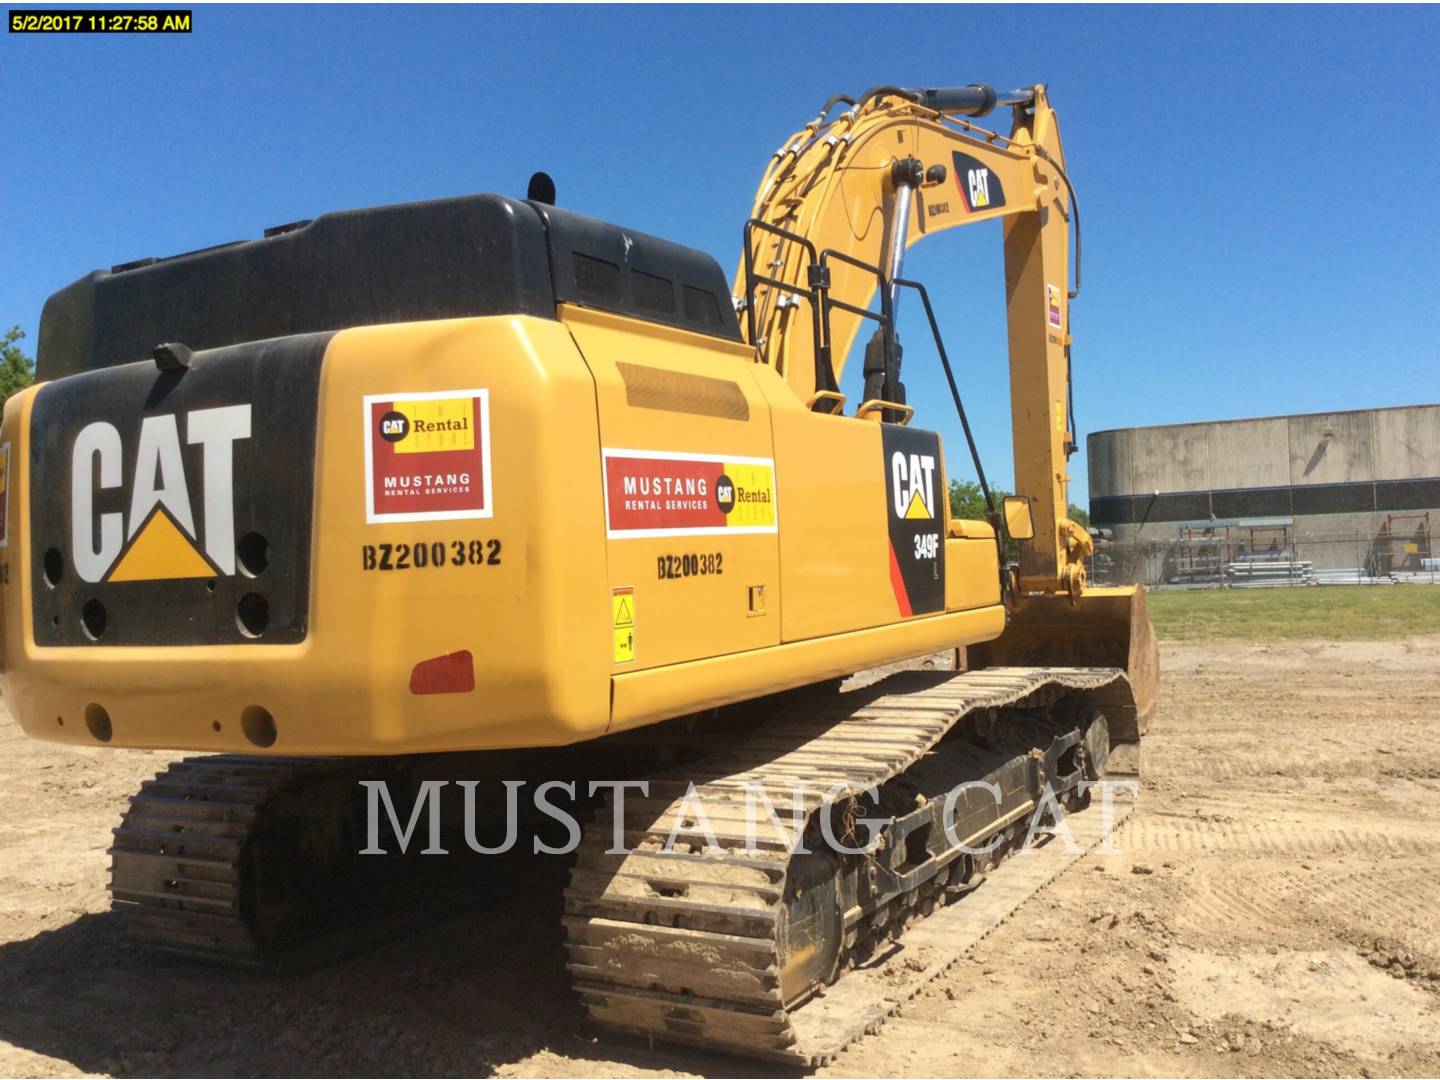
1167	833
1287	820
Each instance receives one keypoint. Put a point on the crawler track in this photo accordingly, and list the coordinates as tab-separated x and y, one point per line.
176	862
736	950
253	862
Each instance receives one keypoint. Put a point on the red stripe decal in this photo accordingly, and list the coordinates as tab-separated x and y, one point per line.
453	673
902	597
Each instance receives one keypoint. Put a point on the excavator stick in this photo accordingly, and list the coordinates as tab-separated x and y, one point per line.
1105	627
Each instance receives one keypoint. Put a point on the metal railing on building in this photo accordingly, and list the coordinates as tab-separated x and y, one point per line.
1260	553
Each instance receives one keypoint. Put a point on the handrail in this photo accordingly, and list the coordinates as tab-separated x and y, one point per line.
954	389
990	512
821	304
832	397
882	406
885	317
824	372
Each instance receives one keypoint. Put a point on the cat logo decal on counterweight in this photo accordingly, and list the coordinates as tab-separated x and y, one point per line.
913	486
157	537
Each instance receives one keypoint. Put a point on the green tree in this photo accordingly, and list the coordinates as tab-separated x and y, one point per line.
17	370
968	501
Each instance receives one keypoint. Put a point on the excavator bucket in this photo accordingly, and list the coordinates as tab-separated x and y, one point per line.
1106	627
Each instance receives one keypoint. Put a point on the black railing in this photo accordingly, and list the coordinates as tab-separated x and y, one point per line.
822	304
954	390
890	386
824	373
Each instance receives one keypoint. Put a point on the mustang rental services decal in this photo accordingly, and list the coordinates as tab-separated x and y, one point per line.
660	493
427	456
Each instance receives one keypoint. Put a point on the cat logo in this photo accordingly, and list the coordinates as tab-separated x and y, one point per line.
980	189
914	519
157	539
913	486
394	426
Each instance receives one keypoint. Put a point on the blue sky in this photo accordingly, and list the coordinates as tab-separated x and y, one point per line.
1258	185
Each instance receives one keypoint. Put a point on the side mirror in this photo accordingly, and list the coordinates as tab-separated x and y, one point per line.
1018	522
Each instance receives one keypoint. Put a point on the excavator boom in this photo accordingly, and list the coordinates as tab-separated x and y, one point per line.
833	216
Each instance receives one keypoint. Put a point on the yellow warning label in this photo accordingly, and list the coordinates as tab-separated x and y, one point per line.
443	424
622	620
159	551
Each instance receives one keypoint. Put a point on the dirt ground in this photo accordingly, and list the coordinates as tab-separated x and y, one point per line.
1274	909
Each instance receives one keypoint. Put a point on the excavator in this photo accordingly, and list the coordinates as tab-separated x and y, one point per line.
407	491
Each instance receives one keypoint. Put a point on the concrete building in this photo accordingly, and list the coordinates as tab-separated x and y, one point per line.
1337	491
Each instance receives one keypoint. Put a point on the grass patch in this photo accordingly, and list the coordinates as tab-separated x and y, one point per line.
1342	613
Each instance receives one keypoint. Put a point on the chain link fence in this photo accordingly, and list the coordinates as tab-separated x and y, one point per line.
1217	558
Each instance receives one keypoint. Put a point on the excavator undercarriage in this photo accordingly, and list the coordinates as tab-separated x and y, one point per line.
719	904
738	951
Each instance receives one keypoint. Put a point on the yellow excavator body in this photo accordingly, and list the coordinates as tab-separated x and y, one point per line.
562	609
560	623
397	485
